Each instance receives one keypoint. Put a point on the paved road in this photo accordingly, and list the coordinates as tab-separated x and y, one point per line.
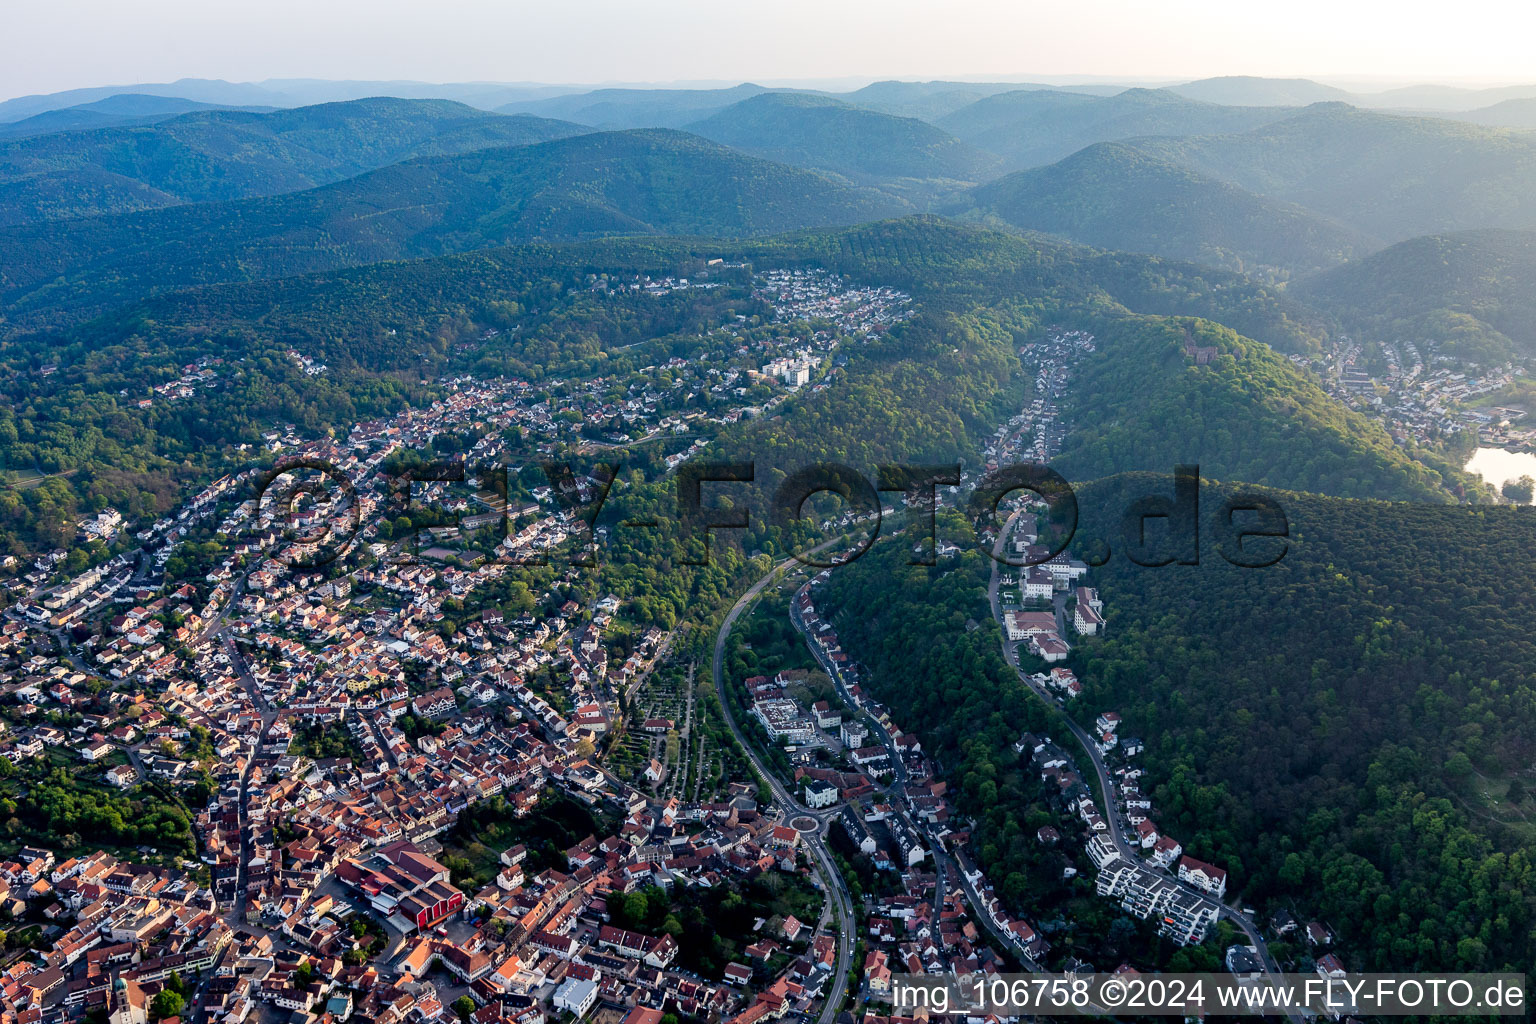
942	864
215	627
236	914
898	768
789	807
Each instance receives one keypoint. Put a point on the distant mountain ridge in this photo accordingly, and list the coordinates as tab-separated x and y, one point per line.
1444	98
115	111
287	92
618	109
584	186
932	100
1251	91
1519	114
1114	196
929	100
1391	176
1034	128
214	155
827	134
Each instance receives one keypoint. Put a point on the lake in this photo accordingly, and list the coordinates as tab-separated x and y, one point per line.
1498	466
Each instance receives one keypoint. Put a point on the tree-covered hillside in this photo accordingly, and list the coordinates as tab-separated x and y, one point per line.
927	100
826	134
619	183
1473	293
1329	728
1114	196
1392	177
70	396
1519	114
1339	729
346	317
618	109
206	156
1157	394
112	112
1252	91
1029	128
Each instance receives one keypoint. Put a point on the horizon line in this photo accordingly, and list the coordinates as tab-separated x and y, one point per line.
1356	82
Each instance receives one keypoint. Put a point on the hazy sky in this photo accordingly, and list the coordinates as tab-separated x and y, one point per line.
48	45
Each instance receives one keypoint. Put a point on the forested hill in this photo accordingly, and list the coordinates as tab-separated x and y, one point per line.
1032	127
931	100
382	326
1473	292
967	263
1324	728
1516	113
344	317
207	156
1146	401
116	111
1114	196
827	134
613	183
1248	90
617	109
1329	727
1392	177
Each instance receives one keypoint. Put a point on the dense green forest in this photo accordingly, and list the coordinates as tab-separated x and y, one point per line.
1143	402
940	260
928	392
928	641
205	156
1471	293
1348	731
1340	729
924	634
928	395
1114	196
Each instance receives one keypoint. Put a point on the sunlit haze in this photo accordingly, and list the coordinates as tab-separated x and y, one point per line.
72	43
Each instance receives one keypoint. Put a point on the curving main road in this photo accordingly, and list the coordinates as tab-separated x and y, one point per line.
789	807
